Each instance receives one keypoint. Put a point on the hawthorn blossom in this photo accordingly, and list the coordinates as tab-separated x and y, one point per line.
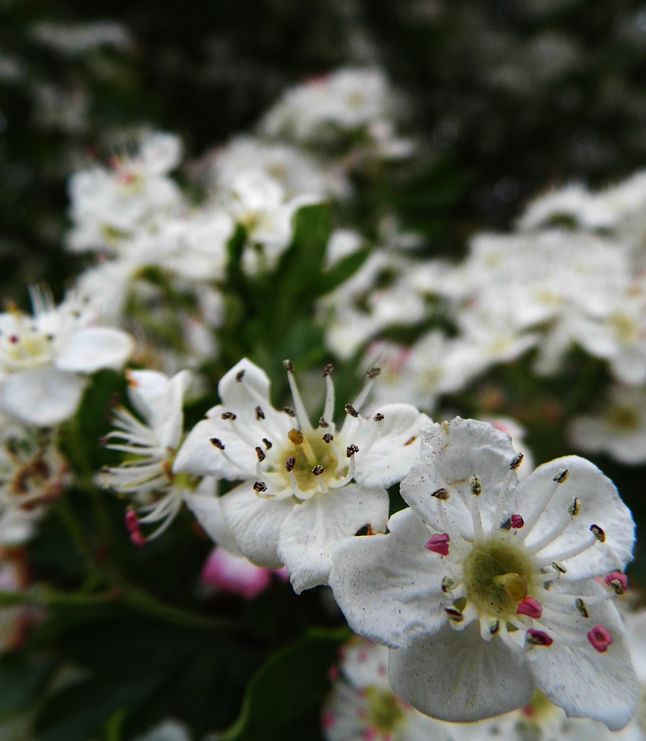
146	475
33	472
258	202
110	203
44	358
619	429
361	704
304	488
507	587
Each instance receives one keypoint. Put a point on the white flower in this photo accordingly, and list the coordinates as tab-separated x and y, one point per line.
304	488
361	704
296	171
152	445
258	202
44	358
619	430
496	583
110	203
32	473
345	100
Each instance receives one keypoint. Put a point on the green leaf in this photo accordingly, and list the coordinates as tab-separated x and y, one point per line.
78	711
342	271
21	681
289	687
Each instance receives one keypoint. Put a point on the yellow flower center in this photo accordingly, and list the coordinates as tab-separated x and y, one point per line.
497	577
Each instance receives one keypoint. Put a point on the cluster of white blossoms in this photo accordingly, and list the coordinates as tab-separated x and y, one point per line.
500	583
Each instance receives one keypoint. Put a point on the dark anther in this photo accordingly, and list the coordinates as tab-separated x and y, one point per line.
290	464
318	470
290	411
561	477
351	410
288	366
260	486
260	453
516	461
351	450
267	443
259	413
373	372
240	375
229	415
379	417
217	443
327	438
328	369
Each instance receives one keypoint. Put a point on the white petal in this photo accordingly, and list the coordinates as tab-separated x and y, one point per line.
390	586
395	449
93	348
452	453
456	676
584	682
315	528
233	392
158	399
41	396
255	524
201	458
208	512
600	505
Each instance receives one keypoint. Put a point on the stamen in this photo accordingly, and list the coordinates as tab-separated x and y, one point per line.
448	584
618	582
301	414
455	615
216	442
290	464
542	502
327	438
323	422
600	638
351	450
581	607
260	453
516	521
530	607
515	462
598	533
352	467
439	544
289	411
240	375
573	551
267	443
132	526
441	494
379	417
351	410
475	483
538	638
365	391
559	567
318	470
228	415
259	413
328	409
259	487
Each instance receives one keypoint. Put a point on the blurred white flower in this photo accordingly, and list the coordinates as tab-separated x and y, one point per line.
44	358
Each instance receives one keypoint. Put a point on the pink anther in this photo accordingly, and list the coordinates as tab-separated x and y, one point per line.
439	544
600	638
539	638
530	607
516	521
618	581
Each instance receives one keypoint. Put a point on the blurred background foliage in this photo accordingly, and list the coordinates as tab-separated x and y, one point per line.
507	96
